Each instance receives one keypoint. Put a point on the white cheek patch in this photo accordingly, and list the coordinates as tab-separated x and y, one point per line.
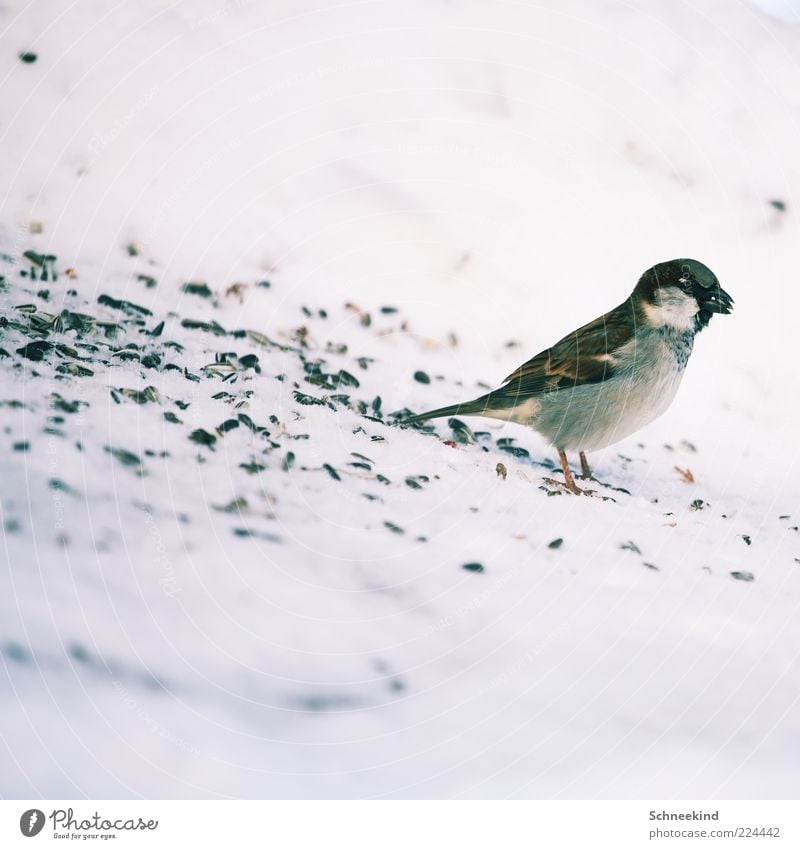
673	308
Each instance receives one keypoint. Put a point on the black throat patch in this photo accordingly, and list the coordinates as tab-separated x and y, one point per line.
680	342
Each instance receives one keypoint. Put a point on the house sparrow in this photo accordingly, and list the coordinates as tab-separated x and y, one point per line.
614	375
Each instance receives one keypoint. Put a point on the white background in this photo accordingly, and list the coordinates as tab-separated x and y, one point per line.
500	171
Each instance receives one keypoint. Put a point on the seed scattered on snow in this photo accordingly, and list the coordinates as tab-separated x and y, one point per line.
148	394
209	326
501	470
288	461
421	377
507	444
461	432
200	289
203	437
310	400
127	307
747	539
35	350
743	576
556	543
331	471
253	467
631	546
59	485
238	505
127	458
698	504
396	529
473	567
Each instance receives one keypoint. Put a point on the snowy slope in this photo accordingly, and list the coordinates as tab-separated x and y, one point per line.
216	586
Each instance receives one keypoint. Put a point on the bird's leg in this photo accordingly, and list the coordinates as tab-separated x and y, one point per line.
586	469
569	481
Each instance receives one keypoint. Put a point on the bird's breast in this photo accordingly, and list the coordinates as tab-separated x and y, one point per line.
647	373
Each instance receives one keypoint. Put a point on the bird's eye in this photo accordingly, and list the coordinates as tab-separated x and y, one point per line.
687	281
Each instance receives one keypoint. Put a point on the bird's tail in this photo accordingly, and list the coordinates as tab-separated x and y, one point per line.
468	408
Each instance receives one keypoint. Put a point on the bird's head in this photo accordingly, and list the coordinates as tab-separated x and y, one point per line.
681	293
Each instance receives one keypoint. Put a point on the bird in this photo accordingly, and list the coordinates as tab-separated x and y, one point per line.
612	376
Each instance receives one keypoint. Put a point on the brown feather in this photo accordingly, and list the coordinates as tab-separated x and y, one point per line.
583	356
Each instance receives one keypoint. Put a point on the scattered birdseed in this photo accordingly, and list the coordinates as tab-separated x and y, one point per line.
126	306
200	289
506	444
743	576
747	539
556	543
394	528
28	58
35	350
331	471
203	437
253	467
501	470
127	458
421	377
473	567
461	433
631	546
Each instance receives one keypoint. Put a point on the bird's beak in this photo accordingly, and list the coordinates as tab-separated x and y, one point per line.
716	300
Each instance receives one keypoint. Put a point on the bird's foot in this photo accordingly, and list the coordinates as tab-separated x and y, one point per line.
565	486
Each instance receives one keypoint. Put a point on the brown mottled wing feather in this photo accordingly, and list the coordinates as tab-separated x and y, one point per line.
584	356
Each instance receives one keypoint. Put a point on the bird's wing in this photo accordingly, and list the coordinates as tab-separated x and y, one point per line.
586	355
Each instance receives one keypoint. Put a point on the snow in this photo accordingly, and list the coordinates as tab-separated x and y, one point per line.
500	172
